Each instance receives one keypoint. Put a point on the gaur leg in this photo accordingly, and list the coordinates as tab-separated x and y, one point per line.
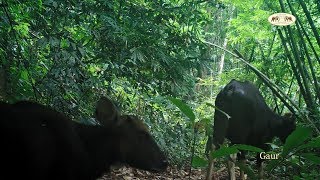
260	166
231	167
242	159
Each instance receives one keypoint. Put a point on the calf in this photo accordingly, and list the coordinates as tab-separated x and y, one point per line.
41	143
252	122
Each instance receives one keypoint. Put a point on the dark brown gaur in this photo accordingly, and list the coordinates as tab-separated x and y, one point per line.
41	143
252	122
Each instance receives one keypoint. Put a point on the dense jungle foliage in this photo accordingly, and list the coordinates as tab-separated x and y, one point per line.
165	61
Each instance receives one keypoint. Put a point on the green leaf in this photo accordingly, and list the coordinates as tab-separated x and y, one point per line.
198	162
296	178
184	108
24	75
247	148
311	157
223	151
272	164
137	54
314	143
296	138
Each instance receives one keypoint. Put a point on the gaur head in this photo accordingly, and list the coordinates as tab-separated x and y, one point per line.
137	147
287	126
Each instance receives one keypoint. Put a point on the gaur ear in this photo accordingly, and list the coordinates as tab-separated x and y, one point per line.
106	112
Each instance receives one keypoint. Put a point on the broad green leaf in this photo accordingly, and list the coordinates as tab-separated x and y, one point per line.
247	148
296	178
272	164
314	143
311	157
199	162
296	138
223	151
184	108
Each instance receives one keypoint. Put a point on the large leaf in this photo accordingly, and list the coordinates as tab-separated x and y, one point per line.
198	162
184	108
296	138
272	164
224	151
314	143
311	157
247	148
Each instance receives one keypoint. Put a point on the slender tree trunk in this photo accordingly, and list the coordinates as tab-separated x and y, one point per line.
225	43
221	64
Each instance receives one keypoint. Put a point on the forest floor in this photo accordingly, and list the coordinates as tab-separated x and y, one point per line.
172	173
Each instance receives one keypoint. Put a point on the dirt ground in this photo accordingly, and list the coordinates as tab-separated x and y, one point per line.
172	173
